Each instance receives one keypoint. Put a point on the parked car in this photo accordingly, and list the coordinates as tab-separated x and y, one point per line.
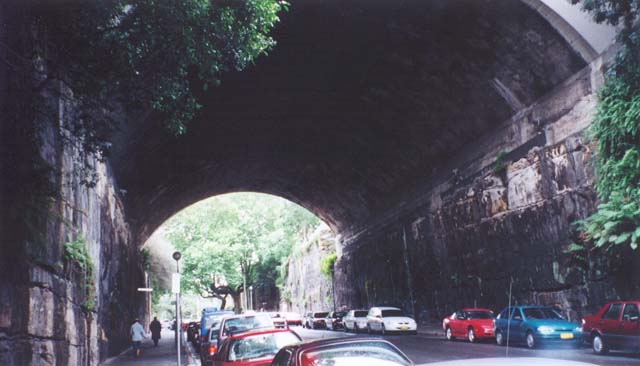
615	326
192	330
388	319
229	324
292	318
278	320
315	320
355	320
472	324
533	325
254	347
209	316
333	320
209	345
347	351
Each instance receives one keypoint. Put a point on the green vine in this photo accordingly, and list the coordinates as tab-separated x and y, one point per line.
327	264
76	252
615	227
500	165
145	253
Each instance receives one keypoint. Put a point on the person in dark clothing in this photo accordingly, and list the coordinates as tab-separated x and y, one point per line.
155	328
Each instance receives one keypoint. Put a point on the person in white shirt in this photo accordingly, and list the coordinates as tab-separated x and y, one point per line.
137	335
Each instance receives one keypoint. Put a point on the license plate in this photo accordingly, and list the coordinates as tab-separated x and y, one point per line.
404	327
566	335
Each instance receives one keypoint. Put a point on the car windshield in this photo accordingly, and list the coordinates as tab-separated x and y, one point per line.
365	353
248	322
480	315
339	314
213	331
259	346
210	319
394	312
542	313
360	314
320	315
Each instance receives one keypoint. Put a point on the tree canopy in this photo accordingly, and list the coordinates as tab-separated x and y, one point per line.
152	55
223	237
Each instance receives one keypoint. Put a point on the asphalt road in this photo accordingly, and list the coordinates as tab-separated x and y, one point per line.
423	348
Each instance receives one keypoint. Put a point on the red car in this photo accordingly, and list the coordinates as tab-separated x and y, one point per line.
472	324
615	326
255	347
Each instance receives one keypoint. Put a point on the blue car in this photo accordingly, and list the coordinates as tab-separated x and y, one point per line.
209	316
535	325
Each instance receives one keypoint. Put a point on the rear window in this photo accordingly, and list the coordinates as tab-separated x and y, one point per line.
320	315
480	315
365	353
387	313
259	346
246	323
613	313
360	314
542	313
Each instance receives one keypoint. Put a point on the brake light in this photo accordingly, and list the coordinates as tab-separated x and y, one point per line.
212	350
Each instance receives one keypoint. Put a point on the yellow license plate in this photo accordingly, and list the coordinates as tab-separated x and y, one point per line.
566	335
404	327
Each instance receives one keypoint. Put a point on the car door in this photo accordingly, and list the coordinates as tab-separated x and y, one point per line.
348	320
610	324
457	324
516	330
630	326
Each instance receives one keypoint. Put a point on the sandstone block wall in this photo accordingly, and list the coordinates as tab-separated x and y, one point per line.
480	228
51	311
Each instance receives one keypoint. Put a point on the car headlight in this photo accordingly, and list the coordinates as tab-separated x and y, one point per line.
545	329
578	329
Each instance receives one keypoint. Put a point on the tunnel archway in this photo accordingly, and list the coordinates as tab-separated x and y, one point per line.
359	106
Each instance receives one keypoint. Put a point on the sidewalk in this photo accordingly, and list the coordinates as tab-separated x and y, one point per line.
163	355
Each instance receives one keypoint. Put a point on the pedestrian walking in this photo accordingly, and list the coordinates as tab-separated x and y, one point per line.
137	335
155	327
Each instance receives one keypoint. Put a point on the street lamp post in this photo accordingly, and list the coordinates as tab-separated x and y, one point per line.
176	290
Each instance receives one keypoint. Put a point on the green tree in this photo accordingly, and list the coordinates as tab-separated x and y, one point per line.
615	227
148	55
226	238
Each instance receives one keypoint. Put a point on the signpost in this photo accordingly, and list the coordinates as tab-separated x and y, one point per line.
175	288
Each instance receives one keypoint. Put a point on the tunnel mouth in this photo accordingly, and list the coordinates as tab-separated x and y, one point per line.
254	233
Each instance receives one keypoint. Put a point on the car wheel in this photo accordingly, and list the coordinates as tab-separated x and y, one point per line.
471	335
531	340
383	331
448	335
499	338
598	345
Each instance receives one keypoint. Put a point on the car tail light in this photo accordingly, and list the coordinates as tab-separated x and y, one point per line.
212	350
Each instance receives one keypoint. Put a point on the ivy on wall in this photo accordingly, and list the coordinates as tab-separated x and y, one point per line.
615	227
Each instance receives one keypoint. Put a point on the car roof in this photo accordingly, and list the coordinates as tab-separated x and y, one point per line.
385	308
258	331
317	343
476	309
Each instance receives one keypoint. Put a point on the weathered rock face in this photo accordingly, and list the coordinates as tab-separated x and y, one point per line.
306	287
488	225
53	312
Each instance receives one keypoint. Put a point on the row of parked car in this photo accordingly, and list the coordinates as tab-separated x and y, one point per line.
376	319
254	339
615	326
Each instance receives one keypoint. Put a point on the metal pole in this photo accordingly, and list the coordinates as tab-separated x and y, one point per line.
178	320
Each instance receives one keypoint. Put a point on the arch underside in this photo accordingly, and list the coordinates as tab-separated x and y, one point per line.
355	110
